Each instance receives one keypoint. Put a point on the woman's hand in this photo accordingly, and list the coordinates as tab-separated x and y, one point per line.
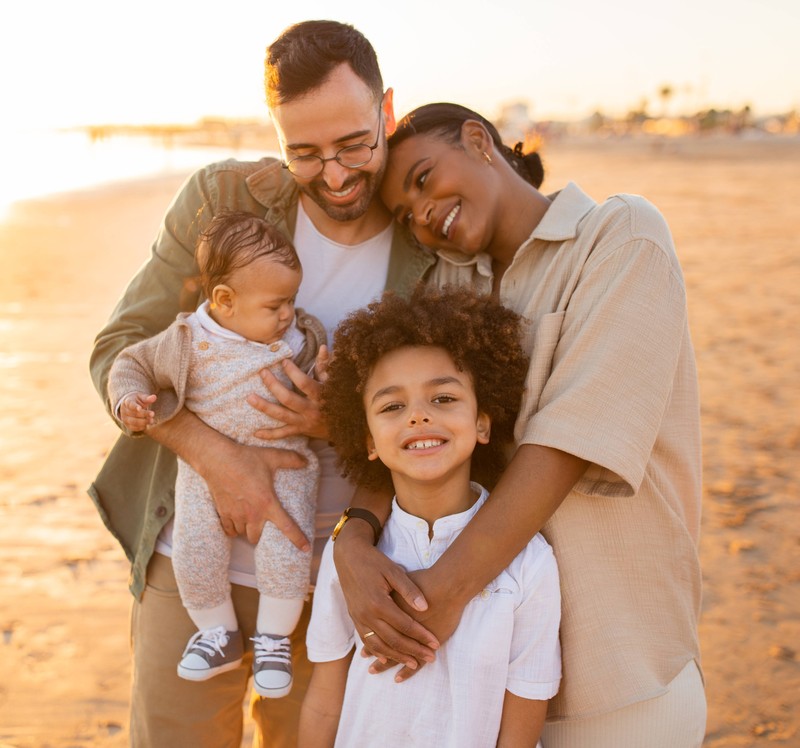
441	618
368	580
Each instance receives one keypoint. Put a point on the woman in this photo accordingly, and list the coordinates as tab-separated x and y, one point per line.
607	463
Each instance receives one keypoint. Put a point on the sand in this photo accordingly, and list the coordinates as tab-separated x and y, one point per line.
64	605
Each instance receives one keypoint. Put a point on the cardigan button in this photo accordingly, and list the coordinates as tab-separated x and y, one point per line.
161	511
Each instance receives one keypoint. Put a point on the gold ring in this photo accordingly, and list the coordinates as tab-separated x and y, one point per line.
369	633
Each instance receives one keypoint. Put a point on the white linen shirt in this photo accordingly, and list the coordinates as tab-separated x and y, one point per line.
507	640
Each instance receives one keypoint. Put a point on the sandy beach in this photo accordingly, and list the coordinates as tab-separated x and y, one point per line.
64	604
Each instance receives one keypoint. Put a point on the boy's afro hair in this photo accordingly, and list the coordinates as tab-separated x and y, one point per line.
482	337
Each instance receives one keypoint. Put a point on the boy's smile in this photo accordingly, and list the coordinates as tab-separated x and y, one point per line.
424	424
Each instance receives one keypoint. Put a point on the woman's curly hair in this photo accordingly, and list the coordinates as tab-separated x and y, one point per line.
482	337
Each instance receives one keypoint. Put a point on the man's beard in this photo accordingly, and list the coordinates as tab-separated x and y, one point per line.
371	181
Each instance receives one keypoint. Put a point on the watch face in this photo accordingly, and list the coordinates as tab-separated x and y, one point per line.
339	524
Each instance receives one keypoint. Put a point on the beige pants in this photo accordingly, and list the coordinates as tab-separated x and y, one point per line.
675	720
167	711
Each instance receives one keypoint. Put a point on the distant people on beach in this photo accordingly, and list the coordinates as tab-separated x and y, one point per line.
424	393
209	361
607	460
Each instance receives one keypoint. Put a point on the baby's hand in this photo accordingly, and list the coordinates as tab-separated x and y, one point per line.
134	411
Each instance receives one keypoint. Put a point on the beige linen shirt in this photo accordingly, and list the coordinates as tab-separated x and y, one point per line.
612	379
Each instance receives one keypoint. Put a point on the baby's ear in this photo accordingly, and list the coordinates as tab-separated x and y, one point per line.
372	453
222	299
484	427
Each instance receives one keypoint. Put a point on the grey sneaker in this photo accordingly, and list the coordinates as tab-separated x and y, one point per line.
272	665
210	653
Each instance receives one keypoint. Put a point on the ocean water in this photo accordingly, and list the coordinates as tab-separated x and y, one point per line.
47	162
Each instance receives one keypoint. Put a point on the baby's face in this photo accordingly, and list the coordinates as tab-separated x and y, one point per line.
263	300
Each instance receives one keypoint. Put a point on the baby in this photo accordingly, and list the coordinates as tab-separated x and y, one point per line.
209	362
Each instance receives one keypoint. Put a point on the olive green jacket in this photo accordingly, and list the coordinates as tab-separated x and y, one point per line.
135	489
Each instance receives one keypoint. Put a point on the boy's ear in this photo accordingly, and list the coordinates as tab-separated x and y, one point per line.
484	428
372	453
222	299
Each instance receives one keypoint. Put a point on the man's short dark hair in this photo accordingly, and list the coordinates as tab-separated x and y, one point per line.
305	54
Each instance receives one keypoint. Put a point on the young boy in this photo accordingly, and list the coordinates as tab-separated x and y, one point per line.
210	361
415	390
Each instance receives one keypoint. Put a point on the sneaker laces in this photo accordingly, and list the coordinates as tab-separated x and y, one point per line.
208	641
268	649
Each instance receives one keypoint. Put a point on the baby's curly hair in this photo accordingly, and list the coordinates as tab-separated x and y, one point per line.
482	337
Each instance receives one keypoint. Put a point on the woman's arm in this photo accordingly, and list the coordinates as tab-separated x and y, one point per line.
322	705
522	722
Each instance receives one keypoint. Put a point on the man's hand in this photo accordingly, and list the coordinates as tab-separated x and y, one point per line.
321	364
239	477
300	413
243	490
134	411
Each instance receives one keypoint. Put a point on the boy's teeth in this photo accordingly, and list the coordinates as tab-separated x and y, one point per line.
425	444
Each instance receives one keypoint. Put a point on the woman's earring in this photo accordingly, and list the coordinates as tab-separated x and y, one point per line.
487	157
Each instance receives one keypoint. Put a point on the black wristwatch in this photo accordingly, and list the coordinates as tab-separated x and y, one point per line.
355	513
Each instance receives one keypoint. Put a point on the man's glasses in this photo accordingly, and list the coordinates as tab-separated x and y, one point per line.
351	156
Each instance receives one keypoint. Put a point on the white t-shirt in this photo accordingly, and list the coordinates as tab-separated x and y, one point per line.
507	640
337	279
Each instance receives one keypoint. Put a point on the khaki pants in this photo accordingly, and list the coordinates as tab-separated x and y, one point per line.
675	720
169	711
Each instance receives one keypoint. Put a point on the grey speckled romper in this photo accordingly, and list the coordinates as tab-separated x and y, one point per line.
222	373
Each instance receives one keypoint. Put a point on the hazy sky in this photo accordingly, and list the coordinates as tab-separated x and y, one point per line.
90	61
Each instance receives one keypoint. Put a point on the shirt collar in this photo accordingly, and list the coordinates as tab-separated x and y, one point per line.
560	223
444	526
566	211
293	337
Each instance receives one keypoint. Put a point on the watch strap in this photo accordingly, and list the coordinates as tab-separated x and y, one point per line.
353	512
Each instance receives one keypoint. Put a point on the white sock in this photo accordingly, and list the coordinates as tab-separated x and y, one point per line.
278	616
210	618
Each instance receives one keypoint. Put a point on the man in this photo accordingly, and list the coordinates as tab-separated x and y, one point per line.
332	116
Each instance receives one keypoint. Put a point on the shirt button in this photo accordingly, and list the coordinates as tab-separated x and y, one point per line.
203	346
485	594
275	347
161	511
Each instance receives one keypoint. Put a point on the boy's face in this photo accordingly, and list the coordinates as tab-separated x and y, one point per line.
341	112
258	300
423	417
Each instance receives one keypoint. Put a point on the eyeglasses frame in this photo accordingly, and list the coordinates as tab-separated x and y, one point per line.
322	161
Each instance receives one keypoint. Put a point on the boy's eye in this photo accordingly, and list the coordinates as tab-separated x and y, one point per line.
389	407
444	399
